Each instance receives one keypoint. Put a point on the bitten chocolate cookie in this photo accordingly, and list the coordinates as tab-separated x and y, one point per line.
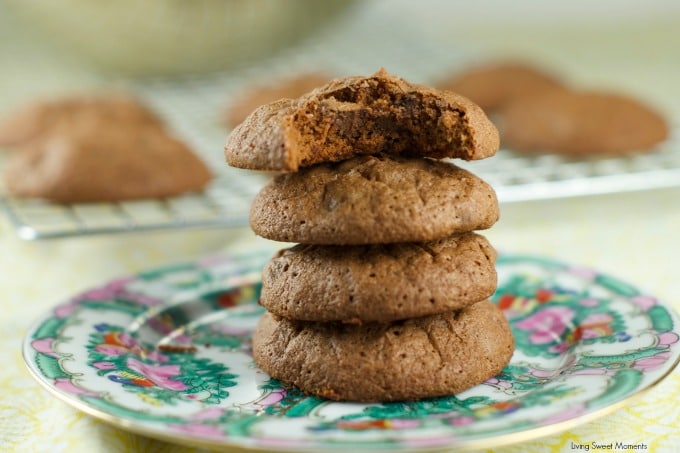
361	115
294	87
407	360
493	85
36	120
81	166
379	282
373	200
581	123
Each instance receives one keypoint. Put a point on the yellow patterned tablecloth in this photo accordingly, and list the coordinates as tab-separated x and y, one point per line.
634	236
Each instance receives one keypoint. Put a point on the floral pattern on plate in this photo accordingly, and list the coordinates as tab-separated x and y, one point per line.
166	353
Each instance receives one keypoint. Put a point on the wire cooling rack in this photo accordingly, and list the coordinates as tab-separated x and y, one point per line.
517	177
226	202
193	105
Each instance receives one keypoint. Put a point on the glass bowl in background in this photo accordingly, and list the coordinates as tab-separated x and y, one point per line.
161	37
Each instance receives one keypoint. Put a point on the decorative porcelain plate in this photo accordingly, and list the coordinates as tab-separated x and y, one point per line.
167	354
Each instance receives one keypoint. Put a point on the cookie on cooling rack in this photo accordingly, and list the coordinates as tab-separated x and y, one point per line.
493	85
380	283
361	115
406	360
373	200
83	166
38	119
581	124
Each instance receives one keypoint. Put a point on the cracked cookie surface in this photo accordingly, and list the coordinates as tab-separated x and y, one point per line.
406	360
373	200
361	115
249	100
379	282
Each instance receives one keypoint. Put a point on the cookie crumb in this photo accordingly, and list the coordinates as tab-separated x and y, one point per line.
177	348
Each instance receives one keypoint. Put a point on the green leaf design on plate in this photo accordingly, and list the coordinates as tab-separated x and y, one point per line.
49	328
616	286
121	305
155	376
622	384
115	409
548	319
661	319
50	366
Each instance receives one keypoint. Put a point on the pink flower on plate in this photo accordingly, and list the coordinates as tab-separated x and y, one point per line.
203	429
462	421
429	441
589	302
548	324
270	399
583	272
596	325
644	302
567	414
592	372
106	292
117	289
494	381
64	310
104	365
158	374
200	430
111	349
211	260
405	423
44	346
668	338
156	356
653	362
560	348
208	414
65	384
124	339
120	343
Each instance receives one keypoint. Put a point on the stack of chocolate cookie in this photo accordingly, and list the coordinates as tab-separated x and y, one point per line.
385	296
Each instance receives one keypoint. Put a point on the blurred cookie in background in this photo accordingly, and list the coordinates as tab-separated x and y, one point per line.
580	124
106	164
494	84
37	119
288	88
96	147
538	112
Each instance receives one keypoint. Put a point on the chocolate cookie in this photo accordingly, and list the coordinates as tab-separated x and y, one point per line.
373	200
493	85
406	360
581	123
379	282
361	115
36	120
294	87
82	166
